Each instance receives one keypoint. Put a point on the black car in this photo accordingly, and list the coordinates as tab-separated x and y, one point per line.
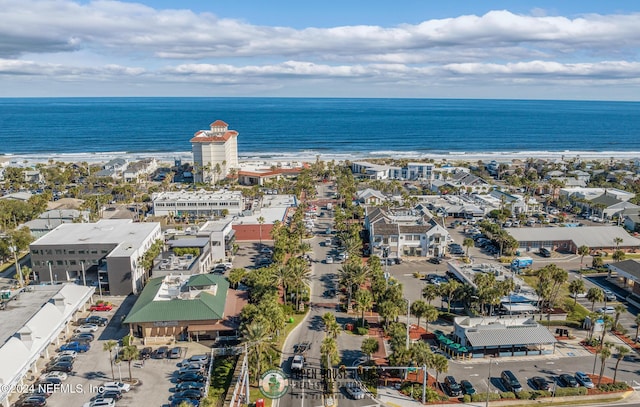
190	377
96	320
60	367
539	383
189	386
467	387
32	401
145	353
59	359
435	260
194	394
82	338
452	386
568	380
160	353
511	381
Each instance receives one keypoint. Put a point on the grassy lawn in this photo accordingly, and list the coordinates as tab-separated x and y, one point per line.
297	319
221	376
254	394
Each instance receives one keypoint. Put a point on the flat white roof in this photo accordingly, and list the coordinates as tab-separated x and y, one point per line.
105	231
197	196
590	236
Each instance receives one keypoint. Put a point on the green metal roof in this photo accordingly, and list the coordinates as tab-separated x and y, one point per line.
205	306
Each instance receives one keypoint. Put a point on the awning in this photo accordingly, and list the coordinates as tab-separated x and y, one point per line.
520	307
220	326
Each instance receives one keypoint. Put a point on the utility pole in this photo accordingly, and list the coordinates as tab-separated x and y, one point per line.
50	273
424	384
14	249
84	278
408	313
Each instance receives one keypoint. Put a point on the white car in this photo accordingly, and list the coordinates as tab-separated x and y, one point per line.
87	328
54	375
606	310
71	353
355	392
100	403
117	386
329	260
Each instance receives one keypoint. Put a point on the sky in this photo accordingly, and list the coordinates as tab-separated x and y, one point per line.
577	50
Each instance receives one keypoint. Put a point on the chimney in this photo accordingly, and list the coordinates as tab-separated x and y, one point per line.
26	336
58	301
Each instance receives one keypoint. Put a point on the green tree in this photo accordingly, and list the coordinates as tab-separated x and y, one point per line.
622	352
329	351
130	353
260	223
419	309
617	241
256	337
618	255
597	262
364	302
370	346
448	289
583	251
109	346
388	310
594	295
468	243
576	287
430	292
236	275
605	353
619	308
440	364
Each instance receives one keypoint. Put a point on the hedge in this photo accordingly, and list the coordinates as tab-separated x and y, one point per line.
483	397
361	331
614	386
571	391
507	395
523	395
532	395
568	324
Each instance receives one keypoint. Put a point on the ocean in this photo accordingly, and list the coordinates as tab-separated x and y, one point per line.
73	129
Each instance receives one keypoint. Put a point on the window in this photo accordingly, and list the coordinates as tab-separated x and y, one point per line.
59	263
58	251
72	262
71	252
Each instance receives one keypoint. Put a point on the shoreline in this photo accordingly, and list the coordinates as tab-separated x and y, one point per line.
310	156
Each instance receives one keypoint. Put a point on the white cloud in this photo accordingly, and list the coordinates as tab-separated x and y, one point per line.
47	38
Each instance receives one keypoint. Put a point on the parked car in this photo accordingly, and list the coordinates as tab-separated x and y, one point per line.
32	401
190	377
160	353
354	391
467	387
70	353
96	320
58	359
606	310
539	383
202	358
191	369
175	353
329	260
609	295
435	260
76	347
116	386
219	269
145	353
111	394
195	394
101	307
100	403
584	380
54	375
566	380
66	367
87	328
544	252
189	386
511	381
48	383
452	386
82	338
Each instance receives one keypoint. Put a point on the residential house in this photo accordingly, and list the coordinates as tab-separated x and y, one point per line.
135	172
113	168
371	197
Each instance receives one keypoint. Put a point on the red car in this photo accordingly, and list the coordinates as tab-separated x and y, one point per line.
101	307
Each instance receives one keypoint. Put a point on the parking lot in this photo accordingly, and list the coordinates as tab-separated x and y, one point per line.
153	378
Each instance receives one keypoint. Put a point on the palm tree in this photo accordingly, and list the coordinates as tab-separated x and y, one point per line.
109	346
364	301
260	223
594	295
236	276
388	310
449	288
440	364
419	309
130	353
329	351
576	287
618	255
468	242
622	352
617	241
370	346
430	292
619	310
605	353
256	336
583	251
281	276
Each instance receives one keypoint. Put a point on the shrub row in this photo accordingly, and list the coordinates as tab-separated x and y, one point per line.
568	324
614	386
361	331
570	391
507	395
483	397
533	395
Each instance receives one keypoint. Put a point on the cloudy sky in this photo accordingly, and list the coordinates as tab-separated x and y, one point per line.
349	48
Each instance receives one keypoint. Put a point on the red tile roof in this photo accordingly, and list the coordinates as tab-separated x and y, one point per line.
219	123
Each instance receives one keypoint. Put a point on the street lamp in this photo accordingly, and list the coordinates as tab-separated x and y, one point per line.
489	381
14	250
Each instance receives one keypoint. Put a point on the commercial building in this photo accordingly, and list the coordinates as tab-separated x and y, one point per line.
111	247
412	171
32	321
215	152
50	220
629	272
257	173
503	336
568	239
198	203
186	308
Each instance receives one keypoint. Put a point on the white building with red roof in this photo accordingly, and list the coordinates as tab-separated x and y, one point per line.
215	152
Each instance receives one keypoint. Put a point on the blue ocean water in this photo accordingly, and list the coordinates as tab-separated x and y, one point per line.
271	127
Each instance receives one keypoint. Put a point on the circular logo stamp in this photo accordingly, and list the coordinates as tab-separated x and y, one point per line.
274	384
